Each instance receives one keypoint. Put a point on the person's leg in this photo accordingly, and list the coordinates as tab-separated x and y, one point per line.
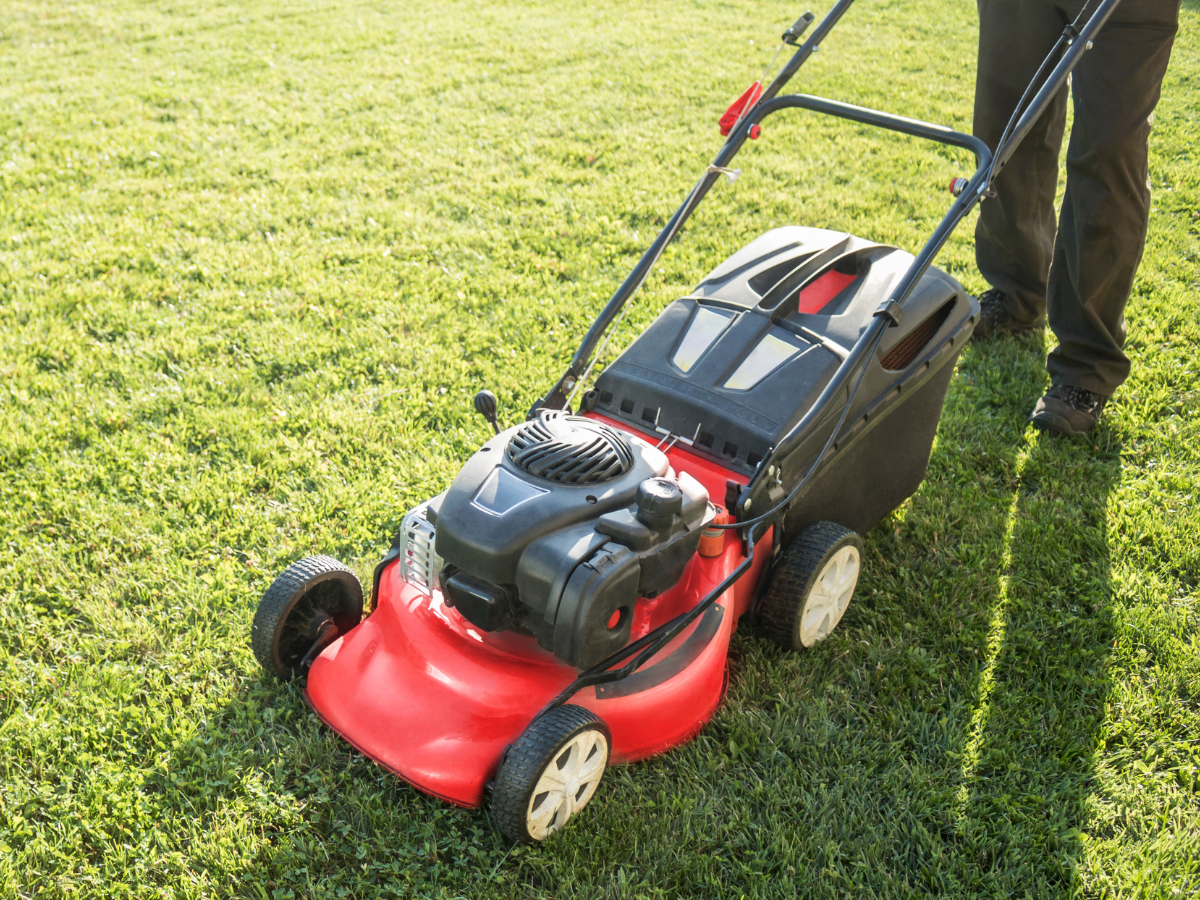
1105	212
1015	233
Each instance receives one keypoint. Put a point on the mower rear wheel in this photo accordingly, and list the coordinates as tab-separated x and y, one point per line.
812	585
550	773
313	601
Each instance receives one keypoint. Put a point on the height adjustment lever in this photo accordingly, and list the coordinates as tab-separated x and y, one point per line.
793	34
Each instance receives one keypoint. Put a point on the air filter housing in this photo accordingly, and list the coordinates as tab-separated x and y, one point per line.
570	450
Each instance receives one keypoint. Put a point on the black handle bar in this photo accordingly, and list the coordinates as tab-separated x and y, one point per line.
914	127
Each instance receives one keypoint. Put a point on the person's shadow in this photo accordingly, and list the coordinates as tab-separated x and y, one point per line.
1030	745
1016	811
952	721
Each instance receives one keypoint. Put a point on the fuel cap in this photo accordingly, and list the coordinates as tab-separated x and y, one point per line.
658	501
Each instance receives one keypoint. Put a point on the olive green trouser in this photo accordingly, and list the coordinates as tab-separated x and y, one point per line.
1081	277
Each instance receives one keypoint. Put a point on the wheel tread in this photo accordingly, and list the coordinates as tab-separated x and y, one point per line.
793	574
524	761
275	602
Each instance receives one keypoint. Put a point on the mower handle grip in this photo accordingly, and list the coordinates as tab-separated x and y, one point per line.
904	125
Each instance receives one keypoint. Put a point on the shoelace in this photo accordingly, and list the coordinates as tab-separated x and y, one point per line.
992	308
1080	399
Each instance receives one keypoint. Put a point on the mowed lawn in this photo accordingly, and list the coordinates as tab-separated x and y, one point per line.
255	260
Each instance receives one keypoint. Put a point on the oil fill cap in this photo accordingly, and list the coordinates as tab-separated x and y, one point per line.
659	500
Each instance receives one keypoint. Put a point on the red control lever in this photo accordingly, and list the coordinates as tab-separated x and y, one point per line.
740	105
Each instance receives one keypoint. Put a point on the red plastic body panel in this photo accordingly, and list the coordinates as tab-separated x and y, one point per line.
814	297
418	689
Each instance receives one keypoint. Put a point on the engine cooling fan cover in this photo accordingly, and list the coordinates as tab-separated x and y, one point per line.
570	449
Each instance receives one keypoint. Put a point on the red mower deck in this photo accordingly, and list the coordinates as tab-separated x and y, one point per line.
424	693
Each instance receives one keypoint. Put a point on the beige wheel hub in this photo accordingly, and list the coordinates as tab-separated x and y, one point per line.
567	783
830	595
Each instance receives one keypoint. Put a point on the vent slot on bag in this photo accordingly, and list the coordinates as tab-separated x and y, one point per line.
900	356
768	278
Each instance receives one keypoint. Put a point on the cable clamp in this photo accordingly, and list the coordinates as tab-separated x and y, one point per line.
891	310
731	174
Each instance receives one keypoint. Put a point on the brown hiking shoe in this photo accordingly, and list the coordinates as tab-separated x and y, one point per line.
1068	410
995	317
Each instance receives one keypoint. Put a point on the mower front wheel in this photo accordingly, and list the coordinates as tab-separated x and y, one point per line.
812	585
306	608
550	773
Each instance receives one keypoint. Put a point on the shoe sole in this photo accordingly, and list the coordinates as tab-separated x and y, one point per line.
1052	424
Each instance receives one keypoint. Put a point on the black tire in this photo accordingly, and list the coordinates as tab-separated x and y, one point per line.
309	593
800	590
545	743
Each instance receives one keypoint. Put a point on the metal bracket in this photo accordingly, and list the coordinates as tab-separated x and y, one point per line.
731	174
327	634
793	34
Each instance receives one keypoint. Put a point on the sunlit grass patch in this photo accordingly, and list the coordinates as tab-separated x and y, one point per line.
256	259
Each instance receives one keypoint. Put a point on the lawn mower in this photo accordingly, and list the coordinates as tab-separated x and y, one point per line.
567	602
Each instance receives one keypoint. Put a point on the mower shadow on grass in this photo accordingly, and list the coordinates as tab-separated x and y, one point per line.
322	817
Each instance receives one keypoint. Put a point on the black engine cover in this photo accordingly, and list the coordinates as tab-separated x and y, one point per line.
555	527
494	510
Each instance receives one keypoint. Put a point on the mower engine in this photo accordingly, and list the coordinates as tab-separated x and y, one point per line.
554	528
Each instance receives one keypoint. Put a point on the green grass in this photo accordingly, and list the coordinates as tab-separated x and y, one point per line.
255	260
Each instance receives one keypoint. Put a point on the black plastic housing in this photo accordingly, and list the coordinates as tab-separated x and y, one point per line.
778	318
494	511
481	603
